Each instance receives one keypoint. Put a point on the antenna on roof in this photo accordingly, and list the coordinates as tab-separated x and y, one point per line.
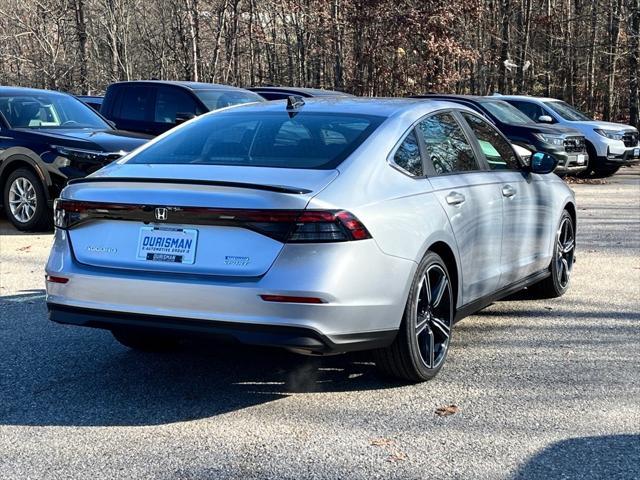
294	101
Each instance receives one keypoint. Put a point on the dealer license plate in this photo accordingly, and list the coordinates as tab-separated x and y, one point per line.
175	245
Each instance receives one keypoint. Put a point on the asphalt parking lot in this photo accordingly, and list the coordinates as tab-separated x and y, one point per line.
544	389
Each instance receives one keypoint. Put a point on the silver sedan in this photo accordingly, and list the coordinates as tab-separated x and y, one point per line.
321	227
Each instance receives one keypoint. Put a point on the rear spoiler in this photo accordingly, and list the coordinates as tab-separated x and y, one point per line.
213	183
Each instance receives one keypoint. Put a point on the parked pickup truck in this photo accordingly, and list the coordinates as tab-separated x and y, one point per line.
153	107
609	145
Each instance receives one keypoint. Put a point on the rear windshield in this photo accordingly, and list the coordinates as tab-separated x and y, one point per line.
217	99
263	139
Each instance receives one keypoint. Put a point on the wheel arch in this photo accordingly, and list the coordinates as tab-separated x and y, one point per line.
571	208
14	162
448	257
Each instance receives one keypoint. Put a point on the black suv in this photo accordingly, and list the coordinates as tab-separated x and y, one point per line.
47	138
565	144
282	93
155	106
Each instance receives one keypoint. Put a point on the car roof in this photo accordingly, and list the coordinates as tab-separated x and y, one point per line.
469	98
379	106
28	91
183	84
311	92
528	97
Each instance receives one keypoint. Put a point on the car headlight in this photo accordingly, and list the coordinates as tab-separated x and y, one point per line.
551	139
68	155
612	134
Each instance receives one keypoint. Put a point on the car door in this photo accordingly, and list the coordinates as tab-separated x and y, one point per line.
470	198
526	200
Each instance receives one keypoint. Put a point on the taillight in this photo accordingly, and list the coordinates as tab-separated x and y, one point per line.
315	226
287	226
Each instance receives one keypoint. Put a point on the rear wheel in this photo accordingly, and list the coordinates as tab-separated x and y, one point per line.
420	348
556	284
25	202
145	341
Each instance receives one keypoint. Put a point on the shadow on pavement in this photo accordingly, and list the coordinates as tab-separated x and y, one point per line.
73	376
607	457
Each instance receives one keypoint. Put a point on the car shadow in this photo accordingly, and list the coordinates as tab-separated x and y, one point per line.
71	376
611	457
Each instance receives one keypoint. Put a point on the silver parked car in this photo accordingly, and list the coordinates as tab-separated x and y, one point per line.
321	227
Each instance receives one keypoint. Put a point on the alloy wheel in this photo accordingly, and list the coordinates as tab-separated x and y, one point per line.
565	250
434	315
22	199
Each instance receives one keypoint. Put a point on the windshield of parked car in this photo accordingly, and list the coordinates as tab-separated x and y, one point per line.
49	110
505	112
217	99
566	111
263	139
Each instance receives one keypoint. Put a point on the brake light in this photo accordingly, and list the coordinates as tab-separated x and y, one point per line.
287	226
53	279
315	226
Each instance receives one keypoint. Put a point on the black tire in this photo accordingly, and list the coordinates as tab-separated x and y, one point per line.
592	162
145	341
603	172
42	217
406	358
557	284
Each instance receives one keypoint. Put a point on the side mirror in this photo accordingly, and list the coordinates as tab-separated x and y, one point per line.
182	117
545	119
541	162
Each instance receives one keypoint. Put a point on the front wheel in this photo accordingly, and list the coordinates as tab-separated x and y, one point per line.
25	202
603	172
420	348
557	283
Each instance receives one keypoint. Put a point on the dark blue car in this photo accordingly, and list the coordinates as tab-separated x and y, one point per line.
47	138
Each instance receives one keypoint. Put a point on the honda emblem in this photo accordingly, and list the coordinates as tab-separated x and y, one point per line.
161	214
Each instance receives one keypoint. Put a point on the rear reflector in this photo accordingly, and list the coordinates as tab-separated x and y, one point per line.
287	226
52	279
288	299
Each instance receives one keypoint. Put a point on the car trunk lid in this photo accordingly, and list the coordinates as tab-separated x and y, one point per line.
207	220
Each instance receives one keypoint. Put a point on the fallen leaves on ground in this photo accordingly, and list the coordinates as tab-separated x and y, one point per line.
24	249
397	457
589	181
447	410
381	442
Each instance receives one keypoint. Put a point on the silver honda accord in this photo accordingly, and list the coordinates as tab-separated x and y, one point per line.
320	226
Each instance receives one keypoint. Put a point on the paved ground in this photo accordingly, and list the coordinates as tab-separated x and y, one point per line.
545	389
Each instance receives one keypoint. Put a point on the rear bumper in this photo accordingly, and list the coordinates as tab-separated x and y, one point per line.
298	338
352	279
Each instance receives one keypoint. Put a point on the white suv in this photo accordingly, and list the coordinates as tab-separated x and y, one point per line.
609	145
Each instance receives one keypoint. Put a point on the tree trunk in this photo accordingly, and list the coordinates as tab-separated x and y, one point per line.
634	61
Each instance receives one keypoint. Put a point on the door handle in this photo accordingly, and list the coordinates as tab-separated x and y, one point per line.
455	198
508	191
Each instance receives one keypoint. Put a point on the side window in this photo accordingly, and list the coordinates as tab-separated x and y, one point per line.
447	146
531	110
496	149
171	101
134	103
408	156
